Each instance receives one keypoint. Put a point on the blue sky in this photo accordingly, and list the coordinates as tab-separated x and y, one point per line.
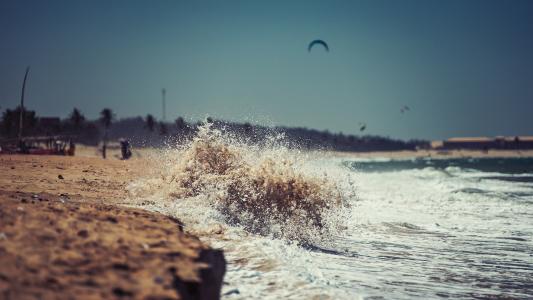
464	67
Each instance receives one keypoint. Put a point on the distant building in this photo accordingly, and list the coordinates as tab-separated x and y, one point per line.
517	142
485	143
436	144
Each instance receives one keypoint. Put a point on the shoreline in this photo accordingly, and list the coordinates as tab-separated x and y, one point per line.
91	151
68	224
65	231
436	154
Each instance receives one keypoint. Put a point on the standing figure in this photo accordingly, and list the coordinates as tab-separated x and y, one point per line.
125	148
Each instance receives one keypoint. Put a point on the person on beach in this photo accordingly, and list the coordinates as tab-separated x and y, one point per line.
125	149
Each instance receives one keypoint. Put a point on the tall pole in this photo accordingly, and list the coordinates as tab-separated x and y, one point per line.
164	92
21	117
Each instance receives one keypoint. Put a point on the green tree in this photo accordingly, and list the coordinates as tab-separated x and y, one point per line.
180	123
150	122
163	128
106	117
10	121
76	118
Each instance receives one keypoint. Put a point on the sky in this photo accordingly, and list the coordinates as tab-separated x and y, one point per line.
465	68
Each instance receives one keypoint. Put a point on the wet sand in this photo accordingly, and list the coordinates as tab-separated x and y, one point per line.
64	234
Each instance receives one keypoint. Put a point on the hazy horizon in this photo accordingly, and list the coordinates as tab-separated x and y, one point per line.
463	68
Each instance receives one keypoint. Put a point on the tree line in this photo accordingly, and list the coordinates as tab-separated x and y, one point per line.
148	131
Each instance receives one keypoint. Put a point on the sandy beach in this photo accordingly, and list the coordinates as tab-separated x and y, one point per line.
63	234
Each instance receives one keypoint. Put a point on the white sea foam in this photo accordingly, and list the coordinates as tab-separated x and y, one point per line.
262	188
409	233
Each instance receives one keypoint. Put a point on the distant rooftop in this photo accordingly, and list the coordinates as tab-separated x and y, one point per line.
469	139
484	143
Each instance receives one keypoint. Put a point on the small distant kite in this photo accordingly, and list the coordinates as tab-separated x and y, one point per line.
405	108
362	127
317	42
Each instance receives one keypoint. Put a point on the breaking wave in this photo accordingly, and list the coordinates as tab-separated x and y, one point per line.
264	188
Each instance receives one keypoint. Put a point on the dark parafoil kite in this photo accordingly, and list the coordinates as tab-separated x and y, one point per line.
317	42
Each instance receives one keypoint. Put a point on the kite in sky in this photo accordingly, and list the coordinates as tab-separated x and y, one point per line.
317	42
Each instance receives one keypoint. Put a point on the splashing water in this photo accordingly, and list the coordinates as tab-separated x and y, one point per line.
260	187
420	229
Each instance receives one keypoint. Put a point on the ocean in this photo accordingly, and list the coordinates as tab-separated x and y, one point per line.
309	225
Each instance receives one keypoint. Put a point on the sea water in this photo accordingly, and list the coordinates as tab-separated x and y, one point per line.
389	229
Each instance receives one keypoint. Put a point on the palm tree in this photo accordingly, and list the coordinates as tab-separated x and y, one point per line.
10	120
163	128
150	122
180	123
106	118
77	118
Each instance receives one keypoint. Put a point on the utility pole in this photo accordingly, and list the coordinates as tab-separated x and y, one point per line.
164	92
21	116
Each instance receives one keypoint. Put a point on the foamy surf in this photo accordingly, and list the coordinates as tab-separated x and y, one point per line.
261	188
414	230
